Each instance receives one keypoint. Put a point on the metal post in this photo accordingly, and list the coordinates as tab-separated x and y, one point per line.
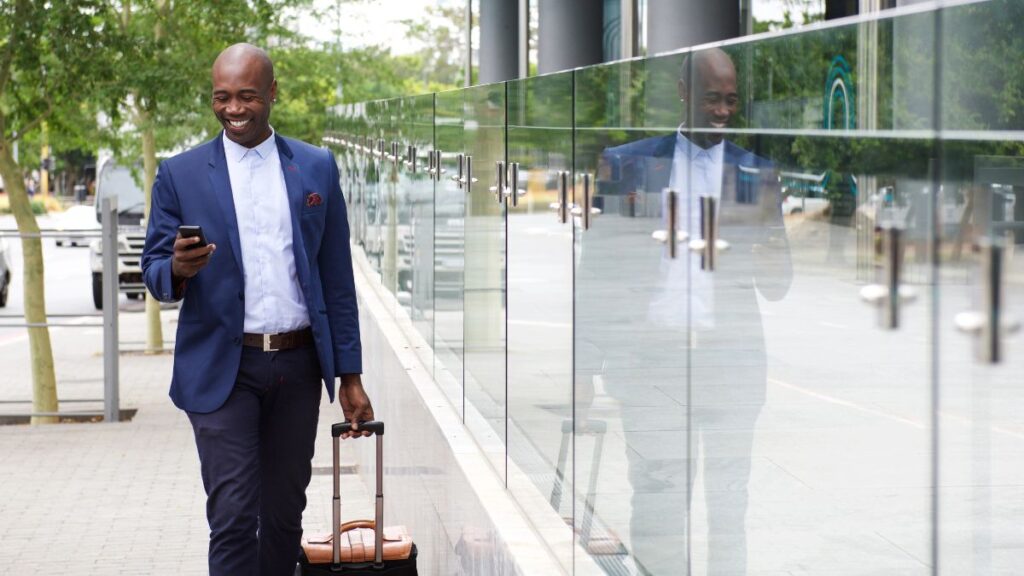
111	352
500	58
673	24
568	34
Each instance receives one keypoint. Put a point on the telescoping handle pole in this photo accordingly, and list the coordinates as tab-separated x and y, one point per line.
376	428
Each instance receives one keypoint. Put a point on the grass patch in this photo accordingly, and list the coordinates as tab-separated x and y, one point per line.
39	206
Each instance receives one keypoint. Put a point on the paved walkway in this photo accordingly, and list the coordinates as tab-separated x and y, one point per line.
119	498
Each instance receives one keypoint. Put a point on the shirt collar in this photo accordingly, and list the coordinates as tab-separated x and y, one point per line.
235	151
694	151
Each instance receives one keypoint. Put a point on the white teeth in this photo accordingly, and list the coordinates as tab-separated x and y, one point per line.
238	123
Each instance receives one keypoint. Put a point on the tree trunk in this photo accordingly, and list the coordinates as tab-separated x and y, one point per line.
44	382
155	332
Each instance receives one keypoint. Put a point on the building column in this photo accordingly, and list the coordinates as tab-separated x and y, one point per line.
675	24
499	41
570	34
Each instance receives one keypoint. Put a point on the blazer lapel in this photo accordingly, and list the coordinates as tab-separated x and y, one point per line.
293	182
222	190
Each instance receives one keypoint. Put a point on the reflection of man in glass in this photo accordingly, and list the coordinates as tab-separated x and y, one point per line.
699	332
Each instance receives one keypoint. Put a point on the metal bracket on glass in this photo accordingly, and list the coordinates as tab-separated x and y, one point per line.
499	180
440	171
889	297
672	237
394	157
434	162
989	325
587	210
410	158
511	189
709	244
466	175
459	176
562	206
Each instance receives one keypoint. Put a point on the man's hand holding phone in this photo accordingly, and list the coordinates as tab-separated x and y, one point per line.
191	252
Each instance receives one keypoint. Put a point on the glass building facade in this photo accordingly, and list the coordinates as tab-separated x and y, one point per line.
747	308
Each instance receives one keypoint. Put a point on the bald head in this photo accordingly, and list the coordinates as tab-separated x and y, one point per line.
707	84
245	55
244	90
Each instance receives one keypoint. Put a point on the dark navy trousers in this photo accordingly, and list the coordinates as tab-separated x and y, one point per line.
255	453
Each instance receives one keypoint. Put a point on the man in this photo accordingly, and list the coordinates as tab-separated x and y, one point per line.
268	312
681	348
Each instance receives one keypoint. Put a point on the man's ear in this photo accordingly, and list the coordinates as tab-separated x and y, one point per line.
273	90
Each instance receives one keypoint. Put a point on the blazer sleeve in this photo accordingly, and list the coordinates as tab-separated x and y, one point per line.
335	263
162	229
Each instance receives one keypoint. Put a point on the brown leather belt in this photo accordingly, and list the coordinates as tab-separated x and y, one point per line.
283	341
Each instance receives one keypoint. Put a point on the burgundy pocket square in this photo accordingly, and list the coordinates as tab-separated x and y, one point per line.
314	199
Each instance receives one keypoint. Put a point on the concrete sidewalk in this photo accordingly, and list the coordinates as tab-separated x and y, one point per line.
121	498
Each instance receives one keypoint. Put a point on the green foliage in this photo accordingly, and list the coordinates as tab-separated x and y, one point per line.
164	51
53	57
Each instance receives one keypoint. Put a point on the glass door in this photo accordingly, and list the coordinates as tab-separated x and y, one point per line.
536	188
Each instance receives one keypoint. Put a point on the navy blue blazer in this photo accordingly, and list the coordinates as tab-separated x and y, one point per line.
194	188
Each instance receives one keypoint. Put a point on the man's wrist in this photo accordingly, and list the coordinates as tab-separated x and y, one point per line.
178	284
349	379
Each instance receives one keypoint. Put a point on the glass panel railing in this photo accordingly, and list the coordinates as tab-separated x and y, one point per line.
822	202
418	283
375	208
537	189
484	290
449	248
981	227
630	335
772	242
391	123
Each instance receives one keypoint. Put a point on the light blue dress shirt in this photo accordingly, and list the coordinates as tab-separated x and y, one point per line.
273	298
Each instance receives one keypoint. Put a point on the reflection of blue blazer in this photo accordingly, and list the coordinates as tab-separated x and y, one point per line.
647	165
750	207
194	188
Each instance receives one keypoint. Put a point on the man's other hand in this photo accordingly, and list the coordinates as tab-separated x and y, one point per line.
188	261
355	404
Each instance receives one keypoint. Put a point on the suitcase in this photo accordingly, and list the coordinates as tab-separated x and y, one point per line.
336	564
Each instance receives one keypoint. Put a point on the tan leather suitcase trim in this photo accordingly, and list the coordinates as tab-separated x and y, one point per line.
357	543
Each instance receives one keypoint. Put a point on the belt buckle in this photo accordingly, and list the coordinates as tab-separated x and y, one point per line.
266	343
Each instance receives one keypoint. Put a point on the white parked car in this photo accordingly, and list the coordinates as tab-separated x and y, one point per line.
76	218
5	272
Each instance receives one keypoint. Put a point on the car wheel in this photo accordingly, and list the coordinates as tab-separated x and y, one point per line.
60	242
134	295
97	290
4	289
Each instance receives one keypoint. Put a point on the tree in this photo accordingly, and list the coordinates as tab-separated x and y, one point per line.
50	55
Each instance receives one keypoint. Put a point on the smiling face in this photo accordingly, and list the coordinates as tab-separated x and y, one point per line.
714	97
244	90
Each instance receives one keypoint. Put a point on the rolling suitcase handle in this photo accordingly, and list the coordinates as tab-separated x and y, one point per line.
376	428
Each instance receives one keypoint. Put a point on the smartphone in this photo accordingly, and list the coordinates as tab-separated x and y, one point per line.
193	231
